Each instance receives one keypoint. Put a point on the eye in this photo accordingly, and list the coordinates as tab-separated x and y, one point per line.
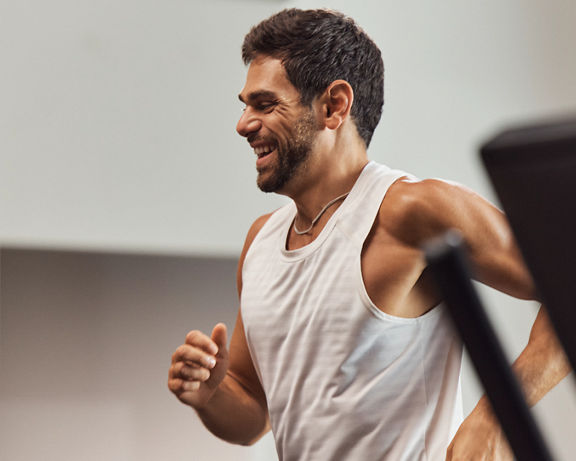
265	106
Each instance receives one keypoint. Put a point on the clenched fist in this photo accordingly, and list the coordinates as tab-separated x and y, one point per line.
199	366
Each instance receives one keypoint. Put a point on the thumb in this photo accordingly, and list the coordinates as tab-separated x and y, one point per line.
220	337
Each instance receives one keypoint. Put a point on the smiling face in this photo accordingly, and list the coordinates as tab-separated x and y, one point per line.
278	127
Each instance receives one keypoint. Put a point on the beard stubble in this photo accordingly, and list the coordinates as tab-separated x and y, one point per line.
291	157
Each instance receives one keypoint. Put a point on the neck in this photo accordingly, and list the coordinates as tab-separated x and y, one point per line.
331	170
322	193
320	214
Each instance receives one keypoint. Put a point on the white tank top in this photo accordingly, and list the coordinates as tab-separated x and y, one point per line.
343	380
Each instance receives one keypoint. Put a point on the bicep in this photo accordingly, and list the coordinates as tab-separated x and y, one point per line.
494	254
491	245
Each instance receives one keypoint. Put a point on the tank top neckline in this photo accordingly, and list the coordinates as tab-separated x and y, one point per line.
306	250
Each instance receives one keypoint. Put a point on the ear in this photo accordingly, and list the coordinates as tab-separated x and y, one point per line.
338	99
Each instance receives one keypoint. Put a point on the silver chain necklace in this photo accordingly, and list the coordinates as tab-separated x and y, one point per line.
318	216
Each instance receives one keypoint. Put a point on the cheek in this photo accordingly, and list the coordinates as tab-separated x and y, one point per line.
284	119
282	132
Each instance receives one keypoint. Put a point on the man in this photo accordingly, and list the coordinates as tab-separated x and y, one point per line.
341	345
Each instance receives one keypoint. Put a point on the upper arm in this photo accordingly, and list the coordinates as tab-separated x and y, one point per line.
241	366
431	207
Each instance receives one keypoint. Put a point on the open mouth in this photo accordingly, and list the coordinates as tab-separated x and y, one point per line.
264	151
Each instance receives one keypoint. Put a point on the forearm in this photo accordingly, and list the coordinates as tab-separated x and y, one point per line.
234	414
541	365
539	368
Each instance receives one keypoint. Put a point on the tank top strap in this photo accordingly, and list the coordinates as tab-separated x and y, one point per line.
357	217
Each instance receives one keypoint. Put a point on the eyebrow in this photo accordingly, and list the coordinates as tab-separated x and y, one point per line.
258	94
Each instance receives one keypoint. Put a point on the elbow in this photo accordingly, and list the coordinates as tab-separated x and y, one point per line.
244	439
248	443
252	439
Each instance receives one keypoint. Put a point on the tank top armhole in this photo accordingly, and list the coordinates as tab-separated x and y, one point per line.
380	314
358	223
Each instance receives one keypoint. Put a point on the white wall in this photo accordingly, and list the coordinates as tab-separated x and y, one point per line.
117	117
117	122
117	125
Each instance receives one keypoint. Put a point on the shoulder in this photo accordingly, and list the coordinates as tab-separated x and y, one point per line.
416	210
413	212
417	196
255	228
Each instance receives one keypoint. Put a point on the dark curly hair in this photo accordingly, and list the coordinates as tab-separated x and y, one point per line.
317	47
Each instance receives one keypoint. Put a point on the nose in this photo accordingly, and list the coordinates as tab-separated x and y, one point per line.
248	123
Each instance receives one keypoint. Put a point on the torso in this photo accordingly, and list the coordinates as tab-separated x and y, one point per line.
314	290
401	287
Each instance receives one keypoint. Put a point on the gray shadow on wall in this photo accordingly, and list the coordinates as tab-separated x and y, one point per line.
85	345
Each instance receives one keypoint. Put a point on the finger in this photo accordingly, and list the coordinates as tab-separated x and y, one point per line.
193	356
198	339
190	386
220	336
175	386
188	373
178	386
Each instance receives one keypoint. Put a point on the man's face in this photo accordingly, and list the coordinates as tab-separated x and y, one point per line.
280	130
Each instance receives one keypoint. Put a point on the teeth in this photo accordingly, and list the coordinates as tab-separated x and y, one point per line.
261	150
